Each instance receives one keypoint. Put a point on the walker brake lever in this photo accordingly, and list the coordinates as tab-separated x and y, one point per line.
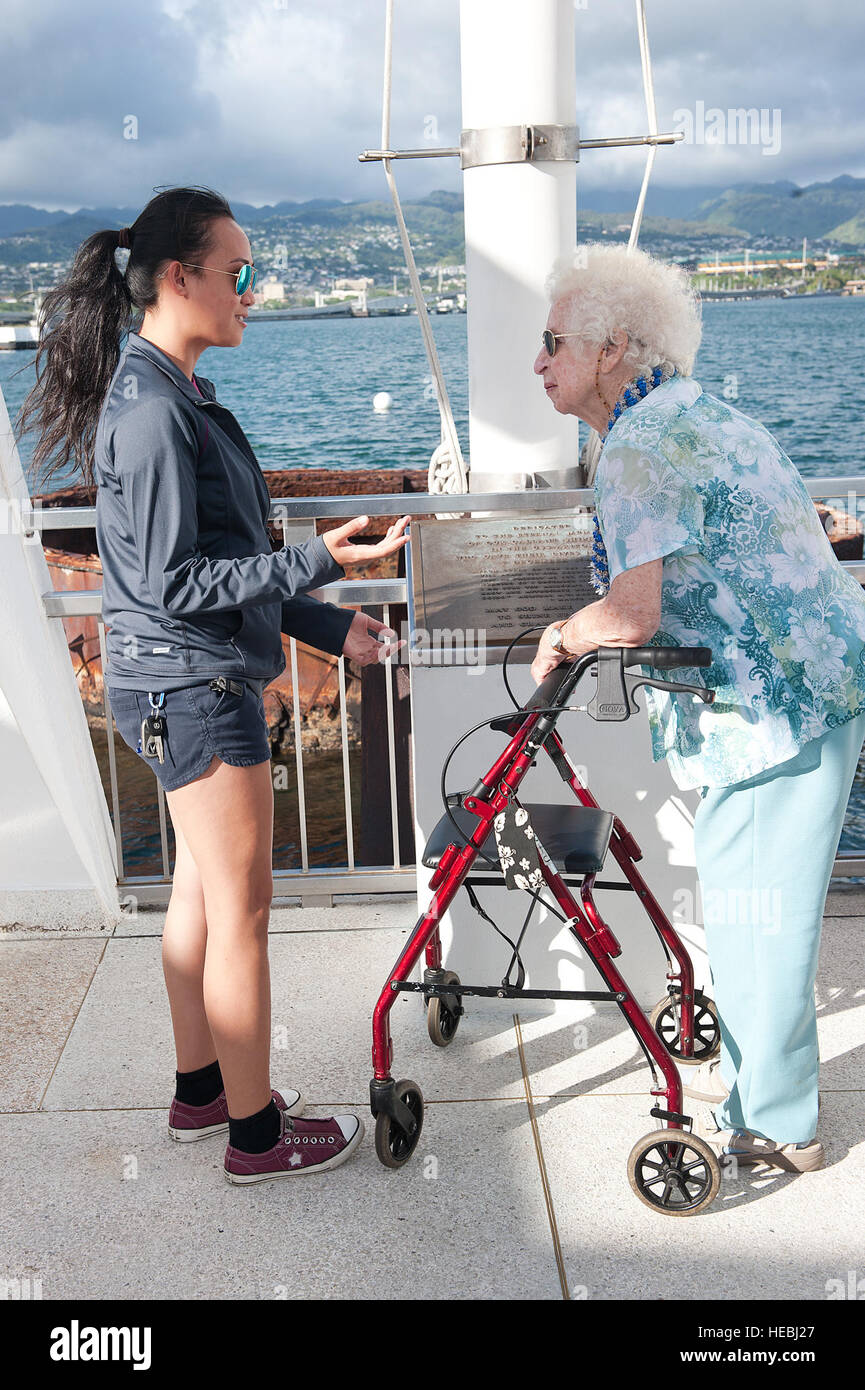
704	693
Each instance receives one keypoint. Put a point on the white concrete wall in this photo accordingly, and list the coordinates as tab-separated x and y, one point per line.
617	756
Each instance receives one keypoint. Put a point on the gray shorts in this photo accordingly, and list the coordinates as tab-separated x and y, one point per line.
200	723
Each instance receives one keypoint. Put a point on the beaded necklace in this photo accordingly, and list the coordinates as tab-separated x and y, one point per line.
633	392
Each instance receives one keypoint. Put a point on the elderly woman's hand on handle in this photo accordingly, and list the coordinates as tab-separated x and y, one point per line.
367	640
547	658
628	616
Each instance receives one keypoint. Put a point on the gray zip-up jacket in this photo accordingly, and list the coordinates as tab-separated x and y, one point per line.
192	587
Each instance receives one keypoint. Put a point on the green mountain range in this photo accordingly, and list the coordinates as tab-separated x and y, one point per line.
833	211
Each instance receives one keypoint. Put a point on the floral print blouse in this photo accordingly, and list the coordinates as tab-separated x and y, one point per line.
748	571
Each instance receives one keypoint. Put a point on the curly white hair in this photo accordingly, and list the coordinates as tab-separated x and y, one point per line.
608	289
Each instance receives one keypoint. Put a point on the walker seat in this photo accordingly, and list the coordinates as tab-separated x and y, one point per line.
575	837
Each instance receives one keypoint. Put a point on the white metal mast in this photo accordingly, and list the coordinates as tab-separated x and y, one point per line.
516	67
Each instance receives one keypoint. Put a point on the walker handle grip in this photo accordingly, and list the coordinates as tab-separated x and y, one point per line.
667	658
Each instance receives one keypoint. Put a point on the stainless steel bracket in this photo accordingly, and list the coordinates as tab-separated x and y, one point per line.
520	144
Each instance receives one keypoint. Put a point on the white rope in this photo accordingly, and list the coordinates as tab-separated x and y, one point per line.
649	89
447	470
593	446
445	474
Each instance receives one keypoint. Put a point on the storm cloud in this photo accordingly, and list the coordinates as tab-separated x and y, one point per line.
273	99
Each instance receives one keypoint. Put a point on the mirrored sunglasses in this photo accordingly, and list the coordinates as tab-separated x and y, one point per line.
244	279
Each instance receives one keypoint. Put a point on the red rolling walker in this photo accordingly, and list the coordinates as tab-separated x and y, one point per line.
672	1170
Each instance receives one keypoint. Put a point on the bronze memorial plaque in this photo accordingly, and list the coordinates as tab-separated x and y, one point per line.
500	575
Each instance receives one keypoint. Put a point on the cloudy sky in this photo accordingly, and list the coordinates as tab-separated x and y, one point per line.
273	99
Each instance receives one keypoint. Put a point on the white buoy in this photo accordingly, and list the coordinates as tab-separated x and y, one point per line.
382	400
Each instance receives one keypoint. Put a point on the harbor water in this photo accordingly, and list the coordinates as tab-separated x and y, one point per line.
303	390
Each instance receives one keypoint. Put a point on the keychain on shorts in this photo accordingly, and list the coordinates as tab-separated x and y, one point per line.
153	729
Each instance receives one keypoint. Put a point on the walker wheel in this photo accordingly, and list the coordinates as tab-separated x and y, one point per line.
665	1019
393	1146
442	1020
674	1172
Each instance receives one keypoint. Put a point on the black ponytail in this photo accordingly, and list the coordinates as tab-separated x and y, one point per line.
82	320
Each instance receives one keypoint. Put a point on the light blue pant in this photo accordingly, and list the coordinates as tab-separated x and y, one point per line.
765	849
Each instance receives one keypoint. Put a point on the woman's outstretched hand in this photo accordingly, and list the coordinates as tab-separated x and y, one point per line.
368	640
346	553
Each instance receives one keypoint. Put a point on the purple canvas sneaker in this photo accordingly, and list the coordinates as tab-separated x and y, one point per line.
187	1122
303	1146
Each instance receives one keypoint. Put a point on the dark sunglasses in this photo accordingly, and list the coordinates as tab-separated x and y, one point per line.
244	279
550	340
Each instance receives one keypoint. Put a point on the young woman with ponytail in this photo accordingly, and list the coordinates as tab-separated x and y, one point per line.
195	600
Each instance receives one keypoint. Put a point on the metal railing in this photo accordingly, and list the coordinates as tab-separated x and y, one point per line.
317	885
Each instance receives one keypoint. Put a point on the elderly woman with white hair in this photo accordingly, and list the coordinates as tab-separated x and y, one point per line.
705	535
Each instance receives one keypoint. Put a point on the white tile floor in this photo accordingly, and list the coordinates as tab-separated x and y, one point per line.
100	1204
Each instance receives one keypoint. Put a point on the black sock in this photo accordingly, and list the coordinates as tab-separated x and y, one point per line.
199	1087
255	1133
